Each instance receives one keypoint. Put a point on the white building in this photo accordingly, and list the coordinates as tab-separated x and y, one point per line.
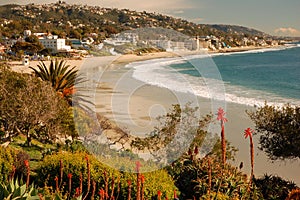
122	38
55	43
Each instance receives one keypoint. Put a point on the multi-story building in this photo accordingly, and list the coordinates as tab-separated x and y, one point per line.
54	43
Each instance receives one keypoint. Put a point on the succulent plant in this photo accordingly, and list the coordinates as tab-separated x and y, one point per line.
15	191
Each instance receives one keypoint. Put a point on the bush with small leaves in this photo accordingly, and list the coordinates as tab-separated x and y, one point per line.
84	170
274	187
7	158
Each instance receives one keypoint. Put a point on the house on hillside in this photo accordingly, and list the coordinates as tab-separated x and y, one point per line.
54	43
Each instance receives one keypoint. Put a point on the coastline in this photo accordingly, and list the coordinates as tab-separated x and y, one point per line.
129	58
148	101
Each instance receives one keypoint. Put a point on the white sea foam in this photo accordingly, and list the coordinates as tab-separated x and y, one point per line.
158	73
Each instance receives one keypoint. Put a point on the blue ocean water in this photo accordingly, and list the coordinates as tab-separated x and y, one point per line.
250	78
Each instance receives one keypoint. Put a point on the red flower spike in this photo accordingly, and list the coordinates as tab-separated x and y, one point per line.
102	192
248	132
138	166
26	163
77	192
86	158
159	193
129	182
142	179
221	115
56	178
70	175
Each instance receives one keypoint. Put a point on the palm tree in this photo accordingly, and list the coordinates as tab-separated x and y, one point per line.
62	78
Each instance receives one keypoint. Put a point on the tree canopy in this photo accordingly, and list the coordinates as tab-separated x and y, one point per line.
279	131
31	107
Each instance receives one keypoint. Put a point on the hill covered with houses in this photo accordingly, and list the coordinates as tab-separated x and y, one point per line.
83	26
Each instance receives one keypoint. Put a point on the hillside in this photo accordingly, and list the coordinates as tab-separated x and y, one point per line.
77	21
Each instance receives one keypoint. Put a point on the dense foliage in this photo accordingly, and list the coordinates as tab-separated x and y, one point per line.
279	131
274	187
76	164
7	158
31	107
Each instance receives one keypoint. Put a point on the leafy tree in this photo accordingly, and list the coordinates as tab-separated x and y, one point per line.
75	34
32	39
28	47
123	18
31	107
181	121
279	130
274	187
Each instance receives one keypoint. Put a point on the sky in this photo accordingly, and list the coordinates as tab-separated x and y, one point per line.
276	17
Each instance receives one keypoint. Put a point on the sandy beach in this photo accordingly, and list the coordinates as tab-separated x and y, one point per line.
134	105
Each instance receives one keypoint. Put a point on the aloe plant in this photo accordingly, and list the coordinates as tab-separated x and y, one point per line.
63	78
15	191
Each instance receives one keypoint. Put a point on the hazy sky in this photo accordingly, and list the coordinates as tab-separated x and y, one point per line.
276	17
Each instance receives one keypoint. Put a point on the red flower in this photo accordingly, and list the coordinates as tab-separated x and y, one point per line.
129	182
138	166
69	91
101	192
26	163
248	132
142	179
221	115
159	193
56	183
77	192
69	175
86	158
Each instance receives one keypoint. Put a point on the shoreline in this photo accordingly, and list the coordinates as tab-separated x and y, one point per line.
144	101
129	58
148	101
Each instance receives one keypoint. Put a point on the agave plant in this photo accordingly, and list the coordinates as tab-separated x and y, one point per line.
17	191
62	78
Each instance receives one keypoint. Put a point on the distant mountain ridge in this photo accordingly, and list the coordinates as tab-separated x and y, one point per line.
77	21
239	29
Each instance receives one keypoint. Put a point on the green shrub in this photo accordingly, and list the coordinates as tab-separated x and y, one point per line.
274	187
192	178
7	159
155	181
76	164
73	163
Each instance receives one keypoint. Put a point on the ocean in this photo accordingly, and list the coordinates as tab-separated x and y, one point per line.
249	78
